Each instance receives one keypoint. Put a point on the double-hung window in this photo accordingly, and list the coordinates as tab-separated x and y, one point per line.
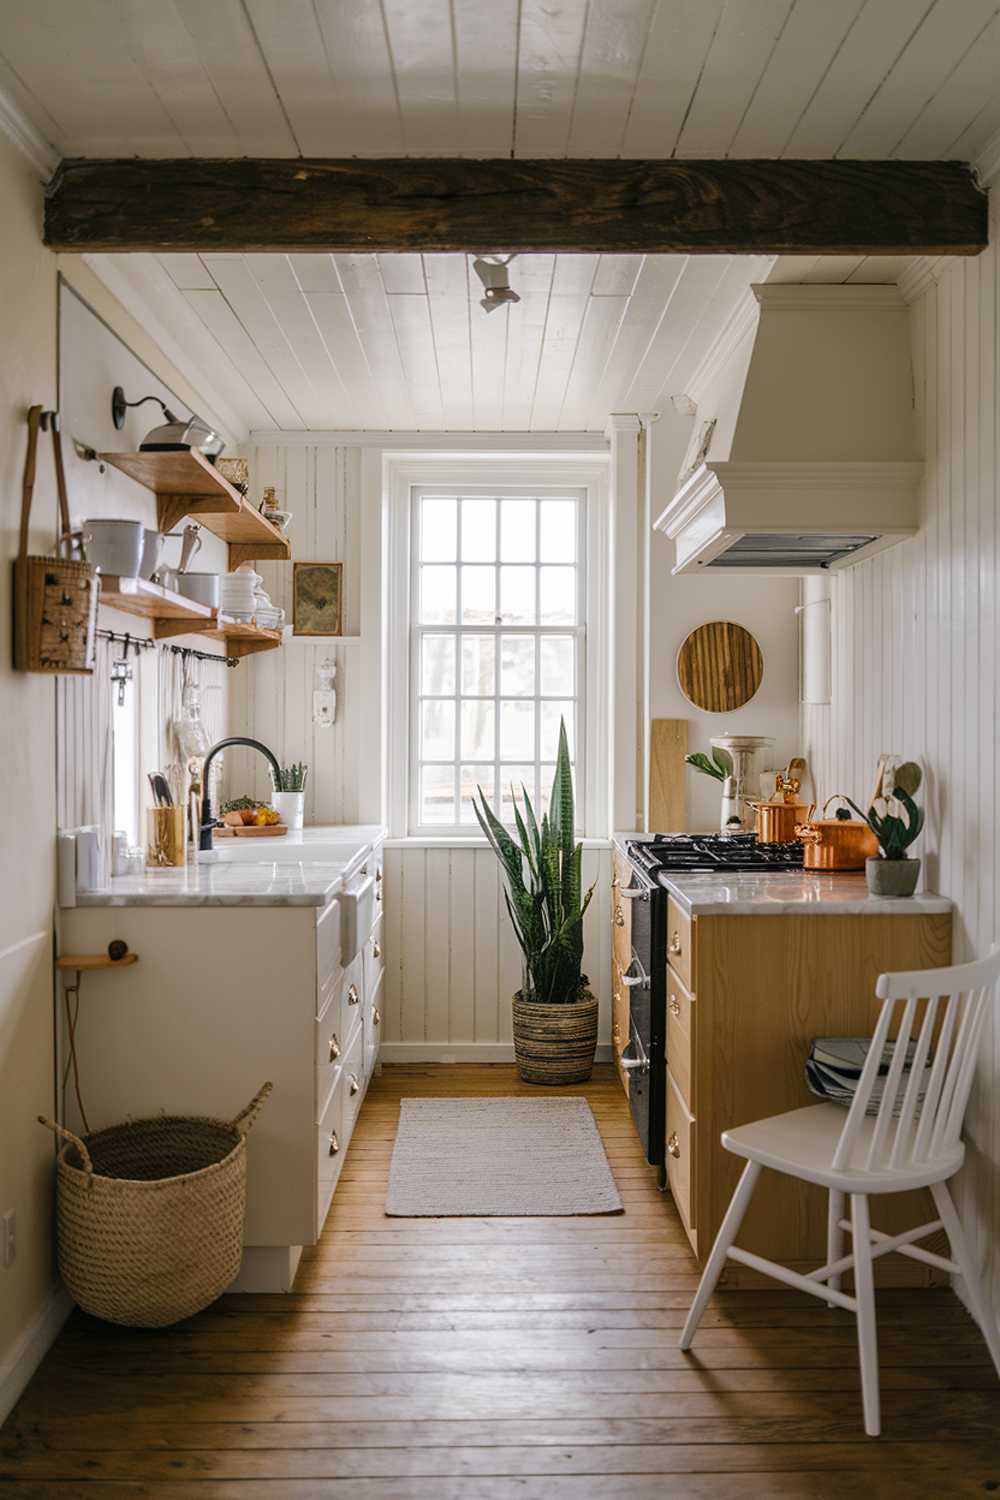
498	595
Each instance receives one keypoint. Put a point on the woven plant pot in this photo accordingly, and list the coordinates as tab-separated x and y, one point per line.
555	1043
150	1215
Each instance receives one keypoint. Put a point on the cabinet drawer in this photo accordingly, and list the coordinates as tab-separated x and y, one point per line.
352	1082
680	949
682	1015
374	960
352	996
327	953
621	922
330	1139
373	1026
329	1048
680	1152
619	1021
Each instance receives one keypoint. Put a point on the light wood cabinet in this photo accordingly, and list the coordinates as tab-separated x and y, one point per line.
764	987
745	995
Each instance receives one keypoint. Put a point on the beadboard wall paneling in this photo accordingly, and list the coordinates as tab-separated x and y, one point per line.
272	695
452	961
915	663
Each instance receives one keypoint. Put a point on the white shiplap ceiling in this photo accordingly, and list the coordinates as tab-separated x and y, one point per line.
806	78
400	342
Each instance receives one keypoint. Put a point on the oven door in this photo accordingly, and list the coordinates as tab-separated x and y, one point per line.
645	980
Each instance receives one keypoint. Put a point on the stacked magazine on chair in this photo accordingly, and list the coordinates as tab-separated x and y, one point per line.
833	1070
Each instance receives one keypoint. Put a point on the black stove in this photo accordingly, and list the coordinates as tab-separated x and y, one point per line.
653	861
672	853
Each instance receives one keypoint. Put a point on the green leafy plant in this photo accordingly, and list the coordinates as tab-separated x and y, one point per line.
291	778
896	834
720	766
544	896
241	804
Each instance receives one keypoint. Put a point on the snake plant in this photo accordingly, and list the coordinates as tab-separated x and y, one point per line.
894	834
542	869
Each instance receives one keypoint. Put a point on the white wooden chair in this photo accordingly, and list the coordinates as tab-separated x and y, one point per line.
910	1144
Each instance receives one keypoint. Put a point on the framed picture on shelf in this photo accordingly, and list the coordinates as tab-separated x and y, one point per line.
317	598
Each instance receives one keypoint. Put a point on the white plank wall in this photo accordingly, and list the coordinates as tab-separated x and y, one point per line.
452	962
272	694
915	661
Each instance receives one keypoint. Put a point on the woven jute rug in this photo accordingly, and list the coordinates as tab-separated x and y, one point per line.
492	1157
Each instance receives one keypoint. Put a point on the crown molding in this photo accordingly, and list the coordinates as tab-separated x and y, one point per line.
622	421
741	321
805	296
534	444
22	133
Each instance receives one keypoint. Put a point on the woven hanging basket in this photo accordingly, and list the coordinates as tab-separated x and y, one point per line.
150	1215
555	1043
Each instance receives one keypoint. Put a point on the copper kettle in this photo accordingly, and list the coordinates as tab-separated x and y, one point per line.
837	843
777	821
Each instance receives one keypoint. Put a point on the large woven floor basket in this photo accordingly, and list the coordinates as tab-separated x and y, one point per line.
150	1215
555	1043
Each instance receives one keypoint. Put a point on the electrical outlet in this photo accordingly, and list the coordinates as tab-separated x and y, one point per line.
8	1238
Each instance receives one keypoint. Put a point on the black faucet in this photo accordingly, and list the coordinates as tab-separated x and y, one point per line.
207	820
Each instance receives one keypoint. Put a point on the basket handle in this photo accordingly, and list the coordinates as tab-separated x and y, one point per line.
49	421
74	1140
253	1108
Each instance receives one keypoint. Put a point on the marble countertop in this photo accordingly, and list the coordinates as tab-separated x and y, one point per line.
306	867
786	893
239	883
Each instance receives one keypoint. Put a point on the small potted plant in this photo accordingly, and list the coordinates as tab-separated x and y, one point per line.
555	1013
893	872
289	794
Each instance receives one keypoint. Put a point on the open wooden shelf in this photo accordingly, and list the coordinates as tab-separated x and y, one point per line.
186	484
137	596
241	637
84	962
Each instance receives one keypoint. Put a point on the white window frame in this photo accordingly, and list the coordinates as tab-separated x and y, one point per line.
491	475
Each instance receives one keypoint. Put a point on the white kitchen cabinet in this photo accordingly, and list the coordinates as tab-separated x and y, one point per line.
222	998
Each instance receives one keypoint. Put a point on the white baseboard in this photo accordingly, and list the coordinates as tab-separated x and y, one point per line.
459	1052
31	1348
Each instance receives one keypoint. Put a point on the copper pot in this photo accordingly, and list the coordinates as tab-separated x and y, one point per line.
778	822
836	843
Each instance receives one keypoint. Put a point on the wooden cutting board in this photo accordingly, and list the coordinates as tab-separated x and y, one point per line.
668	776
274	831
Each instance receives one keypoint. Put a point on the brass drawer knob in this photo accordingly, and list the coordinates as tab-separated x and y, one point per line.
675	1009
354	1083
334	1048
616	1032
619	917
352	995
675	943
673	1144
376	1017
376	950
334	1143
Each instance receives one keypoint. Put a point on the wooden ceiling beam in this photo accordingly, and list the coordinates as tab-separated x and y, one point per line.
688	207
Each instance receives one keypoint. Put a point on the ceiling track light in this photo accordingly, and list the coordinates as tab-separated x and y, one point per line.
494	274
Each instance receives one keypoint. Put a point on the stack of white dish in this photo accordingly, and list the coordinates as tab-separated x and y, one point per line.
243	598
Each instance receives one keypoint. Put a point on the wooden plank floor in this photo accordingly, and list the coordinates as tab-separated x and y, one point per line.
501	1358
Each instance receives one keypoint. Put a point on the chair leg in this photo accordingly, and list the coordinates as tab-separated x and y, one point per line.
834	1236
962	1255
728	1230
864	1286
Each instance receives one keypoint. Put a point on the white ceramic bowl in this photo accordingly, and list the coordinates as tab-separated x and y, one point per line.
116	547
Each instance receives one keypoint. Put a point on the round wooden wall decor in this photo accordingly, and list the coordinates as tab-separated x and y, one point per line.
719	667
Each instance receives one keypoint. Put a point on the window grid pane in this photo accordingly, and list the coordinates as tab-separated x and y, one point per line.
507	671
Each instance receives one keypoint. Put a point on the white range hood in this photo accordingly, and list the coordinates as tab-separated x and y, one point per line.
805	454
